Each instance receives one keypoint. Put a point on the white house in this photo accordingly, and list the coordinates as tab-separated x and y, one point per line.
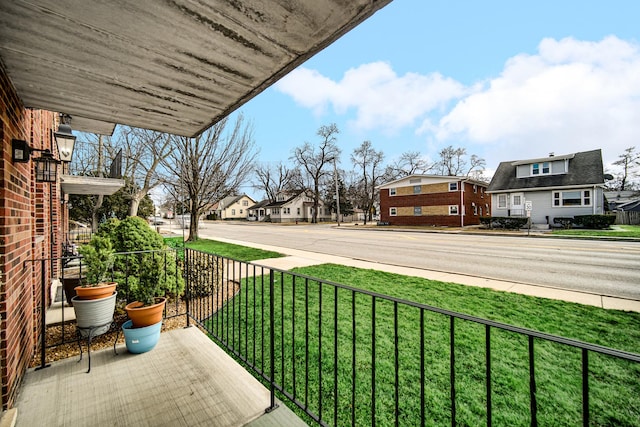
234	207
296	207
552	186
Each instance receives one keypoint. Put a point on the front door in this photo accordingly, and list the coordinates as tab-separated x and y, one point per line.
517	204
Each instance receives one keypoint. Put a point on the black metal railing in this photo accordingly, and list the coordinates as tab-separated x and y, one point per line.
125	272
346	356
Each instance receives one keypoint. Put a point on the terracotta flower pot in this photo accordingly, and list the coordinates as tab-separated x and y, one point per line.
96	292
142	315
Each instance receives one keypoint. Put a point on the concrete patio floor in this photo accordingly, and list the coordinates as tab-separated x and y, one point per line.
186	380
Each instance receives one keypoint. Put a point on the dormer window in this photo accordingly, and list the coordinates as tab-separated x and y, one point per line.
541	168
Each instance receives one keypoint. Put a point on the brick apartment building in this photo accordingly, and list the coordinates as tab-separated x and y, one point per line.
434	200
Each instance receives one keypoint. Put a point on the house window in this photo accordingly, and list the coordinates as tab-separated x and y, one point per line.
572	198
540	168
393	211
475	209
453	209
392	191
416	189
417	210
245	203
475	188
502	201
233	211
298	211
453	186
240	211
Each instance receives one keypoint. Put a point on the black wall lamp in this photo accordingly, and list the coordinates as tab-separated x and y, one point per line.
46	164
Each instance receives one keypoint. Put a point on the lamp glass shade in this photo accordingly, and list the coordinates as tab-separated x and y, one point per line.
46	168
65	140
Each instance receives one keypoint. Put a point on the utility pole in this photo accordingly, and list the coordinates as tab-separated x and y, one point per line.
335	177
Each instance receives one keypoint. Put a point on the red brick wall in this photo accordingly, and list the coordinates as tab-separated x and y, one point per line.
25	234
435	199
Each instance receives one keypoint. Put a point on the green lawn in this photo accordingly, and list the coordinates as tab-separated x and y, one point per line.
615	385
615	231
228	250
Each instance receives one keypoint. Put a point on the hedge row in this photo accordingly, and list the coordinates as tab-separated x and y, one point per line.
506	222
593	222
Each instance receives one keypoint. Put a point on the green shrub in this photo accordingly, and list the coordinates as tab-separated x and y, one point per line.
487	221
595	222
564	222
509	223
98	256
133	234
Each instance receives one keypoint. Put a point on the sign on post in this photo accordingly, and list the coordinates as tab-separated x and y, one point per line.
528	206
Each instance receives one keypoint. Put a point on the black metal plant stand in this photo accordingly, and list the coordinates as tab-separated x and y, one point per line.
90	333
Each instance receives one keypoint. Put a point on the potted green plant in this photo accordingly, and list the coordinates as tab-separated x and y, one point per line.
98	257
147	292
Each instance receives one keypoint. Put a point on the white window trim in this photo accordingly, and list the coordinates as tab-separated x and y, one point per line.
540	169
452	208
581	205
393	211
506	201
392	191
454	183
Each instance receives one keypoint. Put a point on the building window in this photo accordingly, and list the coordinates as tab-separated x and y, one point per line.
245	203
233	211
416	189
453	209
393	211
572	198
540	168
240	211
392	191
417	210
453	186
298	211
475	209
502	201
475	188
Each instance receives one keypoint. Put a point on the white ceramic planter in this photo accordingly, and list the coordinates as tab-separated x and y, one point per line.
94	316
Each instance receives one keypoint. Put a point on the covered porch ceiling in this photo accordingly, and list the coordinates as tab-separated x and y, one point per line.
175	66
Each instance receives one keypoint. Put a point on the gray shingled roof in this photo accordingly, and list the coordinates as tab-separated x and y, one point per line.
584	169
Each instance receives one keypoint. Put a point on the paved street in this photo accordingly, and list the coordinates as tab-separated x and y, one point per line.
609	268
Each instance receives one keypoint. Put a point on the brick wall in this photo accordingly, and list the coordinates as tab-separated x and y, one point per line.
434	200
26	233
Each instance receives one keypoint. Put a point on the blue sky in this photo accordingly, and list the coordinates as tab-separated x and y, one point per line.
504	79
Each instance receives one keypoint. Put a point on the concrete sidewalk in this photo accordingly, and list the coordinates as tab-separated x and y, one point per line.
297	258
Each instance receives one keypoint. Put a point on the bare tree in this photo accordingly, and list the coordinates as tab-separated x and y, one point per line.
452	162
369	162
274	178
143	151
628	161
409	163
314	162
211	166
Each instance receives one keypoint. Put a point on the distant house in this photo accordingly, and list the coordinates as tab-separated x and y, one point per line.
234	207
627	201
296	207
553	186
434	200
259	211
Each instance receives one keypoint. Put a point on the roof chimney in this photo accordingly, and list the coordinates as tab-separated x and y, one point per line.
551	154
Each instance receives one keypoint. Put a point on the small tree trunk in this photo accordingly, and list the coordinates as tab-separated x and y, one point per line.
193	226
134	204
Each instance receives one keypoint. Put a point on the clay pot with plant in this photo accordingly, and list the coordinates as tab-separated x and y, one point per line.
148	295
98	257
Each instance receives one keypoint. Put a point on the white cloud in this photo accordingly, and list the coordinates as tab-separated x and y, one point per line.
571	96
380	98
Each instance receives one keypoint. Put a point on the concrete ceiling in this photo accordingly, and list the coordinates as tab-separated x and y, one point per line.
175	66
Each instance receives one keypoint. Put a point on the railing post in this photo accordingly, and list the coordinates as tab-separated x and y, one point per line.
43	318
187	283
272	354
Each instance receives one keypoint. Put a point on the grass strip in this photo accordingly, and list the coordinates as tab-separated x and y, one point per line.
324	339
